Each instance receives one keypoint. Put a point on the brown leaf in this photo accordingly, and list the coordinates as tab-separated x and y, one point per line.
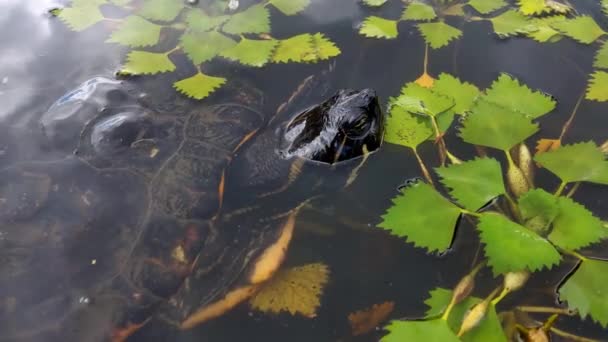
425	81
364	321
545	145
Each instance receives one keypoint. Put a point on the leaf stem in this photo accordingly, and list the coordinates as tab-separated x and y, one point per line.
545	309
472	213
571	118
570	336
426	59
423	167
505	291
573	190
443	150
560	189
173	50
576	255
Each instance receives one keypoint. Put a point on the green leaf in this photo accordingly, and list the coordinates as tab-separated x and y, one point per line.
544	32
438	34
255	19
199	86
290	7
136	32
539	208
323	48
533	7
463	93
420	100
433	330
121	2
575	227
203	46
598	86
251	52
605	6
511	247
509	93
147	63
601	57
423	217
511	23
582	162
583	29
473	183
487	6
197	20
379	28
162	10
79	18
495	126
418	11
586	290
374	3
296	49
406	129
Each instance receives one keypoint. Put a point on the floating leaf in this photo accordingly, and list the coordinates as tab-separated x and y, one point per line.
379	28
539	205
583	29
323	48
532	7
582	162
251	52
374	3
290	7
586	290
296	49
197	20
511	247
575	227
406	129
438	34
255	19
473	183
425	80
147	63
136	31
364	321
487	6
433	330
511	23
605	6
463	93
495	126
601	57
199	86
161	10
509	93
420	100
544	32
203	46
598	86
418	11
294	290
79	18
454	10
545	145
423	217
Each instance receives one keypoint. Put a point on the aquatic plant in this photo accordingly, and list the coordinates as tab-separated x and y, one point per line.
241	36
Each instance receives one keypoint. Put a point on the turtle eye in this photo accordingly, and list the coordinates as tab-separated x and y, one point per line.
359	128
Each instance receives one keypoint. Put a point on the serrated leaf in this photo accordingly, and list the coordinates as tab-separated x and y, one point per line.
136	31
463	93
422	216
374	3
540	205
473	183
161	10
296	290
495	126
418	11
582	162
438	34
197	20
601	57
598	86
79	18
509	93
377	27
583	29
364	321
251	52
575	227
487	6
406	129
532	7
199	86
420	100
323	48
511	23
203	46
255	19
511	247
290	7
147	63
605	6
296	49
544	32
586	290
432	330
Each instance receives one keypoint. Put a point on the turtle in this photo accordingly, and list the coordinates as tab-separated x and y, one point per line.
169	216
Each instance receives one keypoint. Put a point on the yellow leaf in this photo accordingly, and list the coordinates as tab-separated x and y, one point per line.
545	145
425	81
364	321
295	290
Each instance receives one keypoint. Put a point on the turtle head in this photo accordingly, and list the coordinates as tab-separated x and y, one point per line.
345	126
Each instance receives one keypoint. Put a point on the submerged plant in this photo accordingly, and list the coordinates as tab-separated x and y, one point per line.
242	36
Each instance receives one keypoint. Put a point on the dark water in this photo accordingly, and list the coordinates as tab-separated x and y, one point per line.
42	64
